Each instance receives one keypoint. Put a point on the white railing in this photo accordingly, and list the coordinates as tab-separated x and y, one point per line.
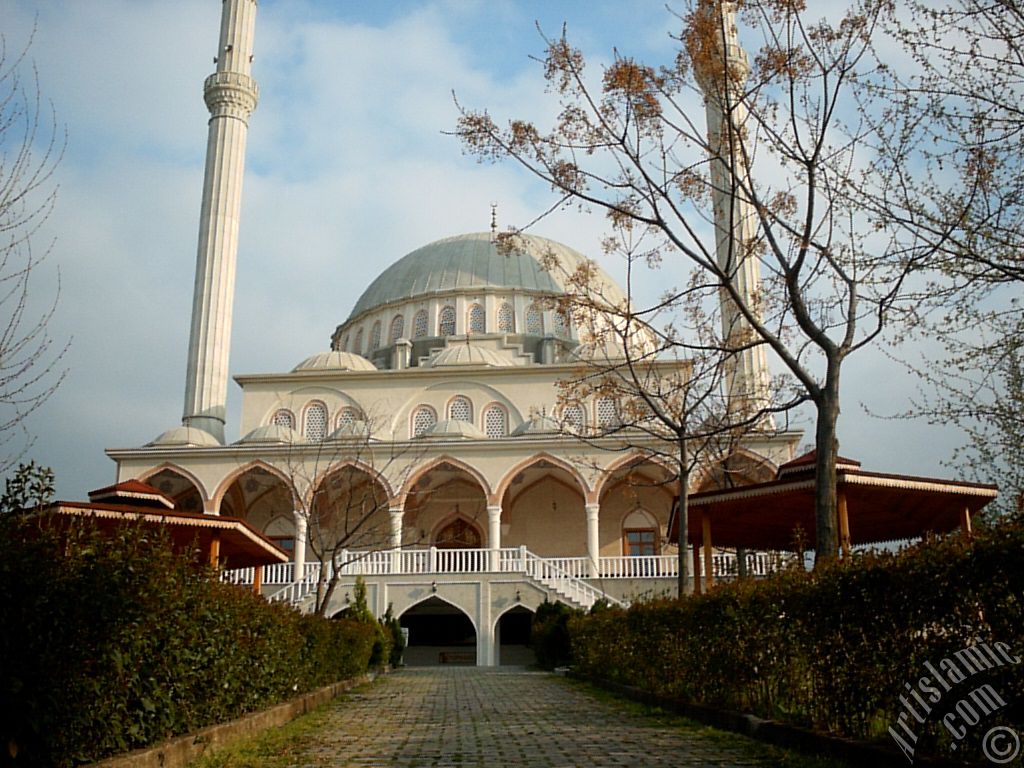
565	575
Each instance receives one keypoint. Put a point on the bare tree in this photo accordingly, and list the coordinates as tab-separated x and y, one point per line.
775	164
669	372
31	146
952	162
336	488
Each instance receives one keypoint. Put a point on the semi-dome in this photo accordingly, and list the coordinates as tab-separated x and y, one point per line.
335	361
275	434
454	429
184	437
470	354
473	262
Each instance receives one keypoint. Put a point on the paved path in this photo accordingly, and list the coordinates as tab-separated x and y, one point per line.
478	717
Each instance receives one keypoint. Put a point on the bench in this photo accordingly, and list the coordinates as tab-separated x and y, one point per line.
457	657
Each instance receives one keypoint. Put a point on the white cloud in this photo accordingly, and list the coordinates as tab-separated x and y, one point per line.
348	169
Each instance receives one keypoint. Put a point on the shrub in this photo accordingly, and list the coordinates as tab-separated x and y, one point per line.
549	634
110	643
832	649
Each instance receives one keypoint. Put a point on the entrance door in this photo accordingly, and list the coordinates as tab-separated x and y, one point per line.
459	534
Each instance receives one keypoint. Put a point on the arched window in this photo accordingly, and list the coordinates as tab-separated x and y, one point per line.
446	322
316	422
284	418
506	319
423	418
572	419
607	412
397	328
375	336
359	342
460	409
561	326
495	421
477	323
534	320
639	534
419	324
346	418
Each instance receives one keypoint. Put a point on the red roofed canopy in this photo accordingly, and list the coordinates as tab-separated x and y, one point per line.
879	507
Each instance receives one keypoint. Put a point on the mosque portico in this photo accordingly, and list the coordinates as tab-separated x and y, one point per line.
433	448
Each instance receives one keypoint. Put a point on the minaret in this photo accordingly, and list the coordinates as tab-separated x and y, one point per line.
230	94
722	75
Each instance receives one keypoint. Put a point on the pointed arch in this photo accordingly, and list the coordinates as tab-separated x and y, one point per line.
761	469
526	463
177	469
633	458
470	613
445	459
231	477
357	465
450	521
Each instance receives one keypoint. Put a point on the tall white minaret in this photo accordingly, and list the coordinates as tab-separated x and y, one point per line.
230	94
722	75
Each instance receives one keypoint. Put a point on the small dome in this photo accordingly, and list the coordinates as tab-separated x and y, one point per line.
272	433
190	437
335	361
469	354
352	430
600	351
454	429
538	425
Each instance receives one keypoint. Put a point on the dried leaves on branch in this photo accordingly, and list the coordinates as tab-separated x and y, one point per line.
762	185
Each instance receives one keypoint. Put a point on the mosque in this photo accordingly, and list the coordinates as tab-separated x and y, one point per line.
427	450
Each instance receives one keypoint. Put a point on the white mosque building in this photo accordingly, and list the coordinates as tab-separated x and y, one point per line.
429	442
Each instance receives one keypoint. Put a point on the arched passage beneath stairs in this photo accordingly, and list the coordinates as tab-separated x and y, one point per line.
439	633
512	637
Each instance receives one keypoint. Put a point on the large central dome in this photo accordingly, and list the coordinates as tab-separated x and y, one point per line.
473	262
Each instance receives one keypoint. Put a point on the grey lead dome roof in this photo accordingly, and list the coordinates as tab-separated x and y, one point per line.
473	261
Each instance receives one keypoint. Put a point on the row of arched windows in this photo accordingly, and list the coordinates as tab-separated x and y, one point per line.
315	420
460	408
494	419
476	322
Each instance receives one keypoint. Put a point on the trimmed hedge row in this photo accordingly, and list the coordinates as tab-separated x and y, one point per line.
834	649
110	643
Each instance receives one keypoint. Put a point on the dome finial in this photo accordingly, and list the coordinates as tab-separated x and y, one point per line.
494	222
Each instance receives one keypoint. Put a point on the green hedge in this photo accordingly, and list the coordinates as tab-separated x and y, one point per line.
832	649
112	643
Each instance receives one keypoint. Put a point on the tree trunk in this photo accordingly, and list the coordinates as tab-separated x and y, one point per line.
826	443
685	586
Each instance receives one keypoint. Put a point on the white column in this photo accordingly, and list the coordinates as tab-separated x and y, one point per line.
494	535
485	629
747	376
593	542
230	94
396	539
299	558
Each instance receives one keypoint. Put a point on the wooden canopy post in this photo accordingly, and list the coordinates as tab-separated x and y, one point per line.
844	523
965	522
696	568
257	579
215	550
709	573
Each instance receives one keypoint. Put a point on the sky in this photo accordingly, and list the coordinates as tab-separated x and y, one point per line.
350	166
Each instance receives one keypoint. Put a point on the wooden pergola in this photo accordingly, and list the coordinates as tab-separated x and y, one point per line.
225	542
873	508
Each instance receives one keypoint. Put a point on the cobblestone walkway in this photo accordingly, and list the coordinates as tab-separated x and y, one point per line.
478	717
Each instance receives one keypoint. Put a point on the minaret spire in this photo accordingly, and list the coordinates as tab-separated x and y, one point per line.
230	94
722	70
